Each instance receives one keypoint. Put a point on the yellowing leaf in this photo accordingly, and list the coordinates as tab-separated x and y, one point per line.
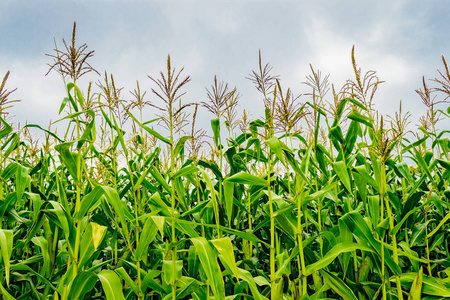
98	232
159	221
225	248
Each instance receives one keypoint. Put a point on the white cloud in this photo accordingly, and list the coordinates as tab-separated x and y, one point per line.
330	50
40	96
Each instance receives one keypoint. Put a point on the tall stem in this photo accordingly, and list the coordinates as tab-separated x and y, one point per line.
172	190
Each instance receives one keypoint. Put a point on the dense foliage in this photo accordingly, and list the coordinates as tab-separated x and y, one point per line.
320	199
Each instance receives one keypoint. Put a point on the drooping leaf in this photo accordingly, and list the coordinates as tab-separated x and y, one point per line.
245	178
215	124
6	246
354	115
83	283
338	286
225	248
42	243
146	237
208	260
341	170
333	253
171	272
415	293
358	226
430	285
247	277
275	145
111	285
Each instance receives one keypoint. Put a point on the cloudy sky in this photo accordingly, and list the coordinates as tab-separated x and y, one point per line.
401	40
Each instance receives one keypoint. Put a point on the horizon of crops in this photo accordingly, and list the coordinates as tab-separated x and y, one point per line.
314	201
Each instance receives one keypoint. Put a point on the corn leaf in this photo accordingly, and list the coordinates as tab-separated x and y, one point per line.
83	283
225	248
147	236
245	178
208	260
333	253
6	246
111	285
338	286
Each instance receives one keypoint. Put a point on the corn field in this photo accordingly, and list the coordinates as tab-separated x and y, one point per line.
321	198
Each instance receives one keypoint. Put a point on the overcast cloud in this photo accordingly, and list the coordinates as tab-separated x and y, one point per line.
401	40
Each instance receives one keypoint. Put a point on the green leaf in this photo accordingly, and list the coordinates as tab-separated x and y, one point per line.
341	170
415	144
14	139
150	281
21	181
148	129
88	202
83	283
211	188
336	136
120	136
338	286
63	104
130	282
157	175
77	114
112	197
68	158
7	129
105	116
403	169
79	96
357	103
247	277
208	260
354	115
444	163
345	235
228	190
275	145
45	130
358	226
185	171
305	297
225	248
88	135
422	164
415	293
430	285
111	285
215	124
333	253
64	221
245	178
42	243
147	236
441	223
23	267
87	248
6	246
186	286
167	269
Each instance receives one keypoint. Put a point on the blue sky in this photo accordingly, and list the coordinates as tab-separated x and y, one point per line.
401	40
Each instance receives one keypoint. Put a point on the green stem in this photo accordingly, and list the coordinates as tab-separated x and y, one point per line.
302	274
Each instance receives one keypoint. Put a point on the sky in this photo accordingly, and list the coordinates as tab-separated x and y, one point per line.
401	40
